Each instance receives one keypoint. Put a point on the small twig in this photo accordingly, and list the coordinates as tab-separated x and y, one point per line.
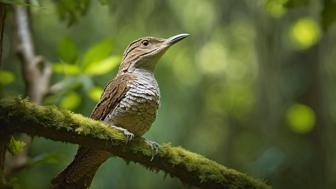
36	70
56	87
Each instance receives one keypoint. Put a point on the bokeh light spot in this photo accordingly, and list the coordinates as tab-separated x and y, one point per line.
95	93
304	33
6	77
213	58
71	101
276	8
300	118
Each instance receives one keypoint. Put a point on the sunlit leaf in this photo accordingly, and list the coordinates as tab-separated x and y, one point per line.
103	66
300	118
98	52
95	93
71	101
67	50
304	33
6	77
15	146
65	68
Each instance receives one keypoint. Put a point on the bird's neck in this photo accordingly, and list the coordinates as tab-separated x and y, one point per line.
143	74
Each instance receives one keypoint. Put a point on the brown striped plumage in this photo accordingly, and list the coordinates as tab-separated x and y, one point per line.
129	103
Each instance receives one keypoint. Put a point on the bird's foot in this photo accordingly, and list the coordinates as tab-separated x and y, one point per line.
154	146
129	135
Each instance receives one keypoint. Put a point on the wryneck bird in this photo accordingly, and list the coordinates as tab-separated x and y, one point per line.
129	103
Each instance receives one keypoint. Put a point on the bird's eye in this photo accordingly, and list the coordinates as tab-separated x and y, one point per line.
145	43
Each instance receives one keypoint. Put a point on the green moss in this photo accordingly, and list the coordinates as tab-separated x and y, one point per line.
53	117
191	168
207	169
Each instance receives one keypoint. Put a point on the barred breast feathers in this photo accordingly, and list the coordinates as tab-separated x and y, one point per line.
137	110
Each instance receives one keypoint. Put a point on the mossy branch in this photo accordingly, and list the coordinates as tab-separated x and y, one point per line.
19	115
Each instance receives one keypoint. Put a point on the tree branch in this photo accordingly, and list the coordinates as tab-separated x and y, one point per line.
36	71
19	115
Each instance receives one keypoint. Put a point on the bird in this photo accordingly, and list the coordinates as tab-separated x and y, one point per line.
128	103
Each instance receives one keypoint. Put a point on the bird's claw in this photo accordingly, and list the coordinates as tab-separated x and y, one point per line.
155	148
129	135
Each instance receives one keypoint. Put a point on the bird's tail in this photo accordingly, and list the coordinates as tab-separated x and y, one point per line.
79	174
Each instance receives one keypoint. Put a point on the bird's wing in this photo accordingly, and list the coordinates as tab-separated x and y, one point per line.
112	95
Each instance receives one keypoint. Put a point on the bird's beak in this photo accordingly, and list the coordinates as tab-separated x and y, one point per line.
176	38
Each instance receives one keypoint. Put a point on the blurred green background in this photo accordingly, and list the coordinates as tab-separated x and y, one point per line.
253	87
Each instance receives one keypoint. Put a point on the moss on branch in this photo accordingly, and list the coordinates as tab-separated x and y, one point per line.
19	115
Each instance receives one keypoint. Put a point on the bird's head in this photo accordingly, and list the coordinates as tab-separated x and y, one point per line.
145	52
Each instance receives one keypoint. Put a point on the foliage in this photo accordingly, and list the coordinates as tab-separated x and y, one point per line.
253	87
71	10
96	61
15	146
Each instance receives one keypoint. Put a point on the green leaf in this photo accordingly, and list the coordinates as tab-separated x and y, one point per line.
15	146
6	77
98	52
103	66
95	93
71	101
65	68
67	50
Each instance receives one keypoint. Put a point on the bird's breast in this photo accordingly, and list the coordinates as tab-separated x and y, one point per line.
137	110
